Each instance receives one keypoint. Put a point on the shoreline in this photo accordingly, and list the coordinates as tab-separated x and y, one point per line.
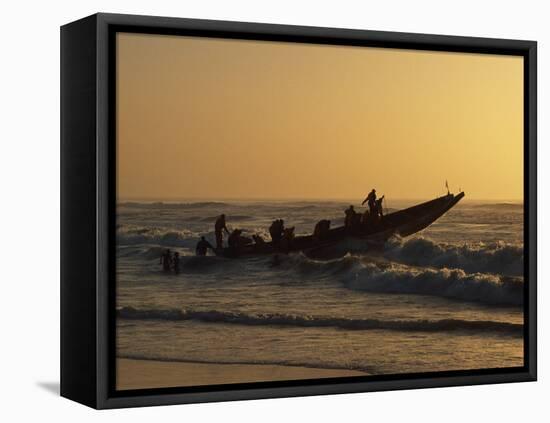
146	374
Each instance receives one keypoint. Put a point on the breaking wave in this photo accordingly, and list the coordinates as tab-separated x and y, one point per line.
366	273
447	283
239	318
498	257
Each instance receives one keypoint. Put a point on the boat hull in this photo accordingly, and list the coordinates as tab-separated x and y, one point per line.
402	223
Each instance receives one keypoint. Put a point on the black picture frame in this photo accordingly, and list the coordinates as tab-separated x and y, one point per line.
88	209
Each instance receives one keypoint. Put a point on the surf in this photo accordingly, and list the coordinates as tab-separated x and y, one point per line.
275	319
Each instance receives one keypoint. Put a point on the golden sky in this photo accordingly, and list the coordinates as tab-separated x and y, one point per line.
234	119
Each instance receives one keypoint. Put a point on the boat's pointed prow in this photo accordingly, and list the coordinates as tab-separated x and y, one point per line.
457	198
416	218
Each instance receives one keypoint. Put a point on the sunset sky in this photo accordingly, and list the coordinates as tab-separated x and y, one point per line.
231	119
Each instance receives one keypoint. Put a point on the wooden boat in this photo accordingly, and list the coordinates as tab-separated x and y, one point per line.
402	222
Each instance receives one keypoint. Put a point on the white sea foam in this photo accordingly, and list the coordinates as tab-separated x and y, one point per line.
496	257
449	283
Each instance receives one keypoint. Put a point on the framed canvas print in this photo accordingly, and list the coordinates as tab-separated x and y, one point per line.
255	211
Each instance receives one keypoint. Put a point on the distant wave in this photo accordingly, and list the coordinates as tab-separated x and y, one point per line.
498	257
214	316
518	206
447	283
143	252
171	238
298	262
230	218
135	235
162	205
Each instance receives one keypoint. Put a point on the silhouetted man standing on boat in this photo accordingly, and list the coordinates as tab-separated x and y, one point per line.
371	201
218	227
202	247
379	208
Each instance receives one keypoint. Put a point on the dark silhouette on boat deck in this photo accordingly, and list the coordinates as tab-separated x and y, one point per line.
236	239
276	230
202	247
287	240
349	221
379	208
371	202
258	240
218	228
321	229
372	227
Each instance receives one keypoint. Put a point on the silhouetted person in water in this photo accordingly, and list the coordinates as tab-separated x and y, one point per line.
202	247
166	260
350	217
371	201
218	228
276	231
176	262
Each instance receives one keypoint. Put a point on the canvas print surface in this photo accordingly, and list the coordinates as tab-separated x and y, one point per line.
292	211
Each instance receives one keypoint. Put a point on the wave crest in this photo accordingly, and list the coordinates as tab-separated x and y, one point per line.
447	283
134	235
498	257
214	316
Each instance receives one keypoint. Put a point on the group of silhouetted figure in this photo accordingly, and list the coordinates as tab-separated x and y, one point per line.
170	262
372	215
281	238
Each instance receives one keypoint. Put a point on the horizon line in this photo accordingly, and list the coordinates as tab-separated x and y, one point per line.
306	199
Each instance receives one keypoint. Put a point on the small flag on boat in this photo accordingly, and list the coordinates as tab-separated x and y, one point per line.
447	186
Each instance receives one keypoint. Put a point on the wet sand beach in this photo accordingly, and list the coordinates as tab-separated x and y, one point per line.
143	374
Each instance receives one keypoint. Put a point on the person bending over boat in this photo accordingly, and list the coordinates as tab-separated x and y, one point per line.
321	230
218	228
350	219
276	231
202	247
371	201
287	239
258	240
236	239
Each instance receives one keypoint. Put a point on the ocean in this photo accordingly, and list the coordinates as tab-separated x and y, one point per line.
447	298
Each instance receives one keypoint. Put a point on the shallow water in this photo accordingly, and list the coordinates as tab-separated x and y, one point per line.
448	298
